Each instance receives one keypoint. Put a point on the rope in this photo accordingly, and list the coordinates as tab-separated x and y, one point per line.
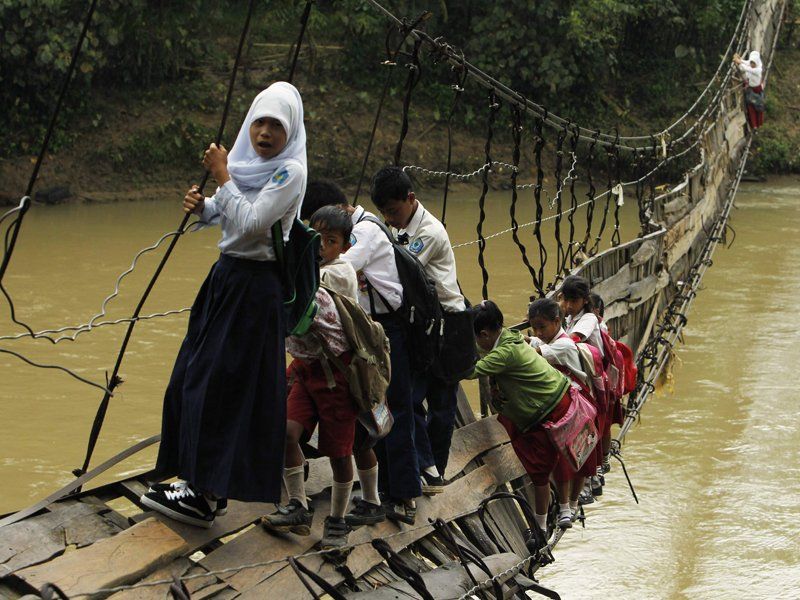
114	381
502	91
414	74
608	194
11	240
303	25
493	107
537	196
458	91
462	176
60	368
560	253
615	237
517	135
573	199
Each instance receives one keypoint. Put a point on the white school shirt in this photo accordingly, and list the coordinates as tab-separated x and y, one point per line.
587	325
562	351
429	242
752	74
246	217
372	256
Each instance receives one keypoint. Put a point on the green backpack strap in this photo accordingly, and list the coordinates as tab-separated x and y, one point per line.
299	264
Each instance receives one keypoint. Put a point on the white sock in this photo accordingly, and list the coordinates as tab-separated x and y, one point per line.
340	498
369	484
293	477
564	508
573	505
432	471
541	521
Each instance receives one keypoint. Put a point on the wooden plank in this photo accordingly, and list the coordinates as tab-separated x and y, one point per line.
472	440
177	568
645	252
448	581
460	496
119	560
614	287
40	538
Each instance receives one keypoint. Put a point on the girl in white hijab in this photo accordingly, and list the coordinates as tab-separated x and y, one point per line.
753	72
224	419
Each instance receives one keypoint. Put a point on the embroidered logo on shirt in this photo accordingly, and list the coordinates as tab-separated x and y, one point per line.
416	246
353	240
280	176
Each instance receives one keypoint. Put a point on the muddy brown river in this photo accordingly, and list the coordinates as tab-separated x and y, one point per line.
715	460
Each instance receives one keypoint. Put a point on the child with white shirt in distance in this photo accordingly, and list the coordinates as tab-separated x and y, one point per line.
314	402
599	309
552	342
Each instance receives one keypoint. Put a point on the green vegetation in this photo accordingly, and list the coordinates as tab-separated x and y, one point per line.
152	76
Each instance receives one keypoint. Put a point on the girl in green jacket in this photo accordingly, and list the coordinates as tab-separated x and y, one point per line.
526	392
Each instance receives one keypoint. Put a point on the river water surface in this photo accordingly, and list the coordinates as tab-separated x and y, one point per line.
715	460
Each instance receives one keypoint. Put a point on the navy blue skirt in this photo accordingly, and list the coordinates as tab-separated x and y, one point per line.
224	421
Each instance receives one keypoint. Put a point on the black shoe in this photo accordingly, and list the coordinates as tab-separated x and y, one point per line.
404	511
182	503
432	485
586	497
293	517
222	503
606	466
365	513
334	535
597	487
534	542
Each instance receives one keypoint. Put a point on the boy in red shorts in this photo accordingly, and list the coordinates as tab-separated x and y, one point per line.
319	395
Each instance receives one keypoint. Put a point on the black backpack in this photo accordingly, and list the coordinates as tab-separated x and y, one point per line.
421	309
299	263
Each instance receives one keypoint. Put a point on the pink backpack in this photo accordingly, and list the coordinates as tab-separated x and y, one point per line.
592	362
614	364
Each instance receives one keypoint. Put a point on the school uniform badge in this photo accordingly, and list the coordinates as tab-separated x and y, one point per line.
416	246
353	240
280	176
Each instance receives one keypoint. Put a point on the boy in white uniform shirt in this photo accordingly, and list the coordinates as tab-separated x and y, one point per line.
427	239
372	256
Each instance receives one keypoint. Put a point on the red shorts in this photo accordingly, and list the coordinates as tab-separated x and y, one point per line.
312	402
533	448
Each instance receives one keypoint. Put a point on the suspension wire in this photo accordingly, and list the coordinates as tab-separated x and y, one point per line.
494	105
390	62
615	237
639	166
303	25
573	203
115	380
554	121
458	91
560	252
537	196
590	194
608	194
25	203
516	130
414	74
69	372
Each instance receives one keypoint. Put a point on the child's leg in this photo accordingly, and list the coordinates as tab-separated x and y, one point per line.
367	465
342	468
293	475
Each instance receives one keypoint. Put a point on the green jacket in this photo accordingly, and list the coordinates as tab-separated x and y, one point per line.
530	388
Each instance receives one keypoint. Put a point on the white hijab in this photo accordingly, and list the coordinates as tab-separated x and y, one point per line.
753	74
279	101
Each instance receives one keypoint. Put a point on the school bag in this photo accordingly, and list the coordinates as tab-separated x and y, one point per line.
614	365
421	309
369	373
592	363
298	260
631	370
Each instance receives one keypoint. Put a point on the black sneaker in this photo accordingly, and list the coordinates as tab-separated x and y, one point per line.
586	497
606	466
334	535
432	485
565	519
365	513
182	503
404	511
293	517
222	503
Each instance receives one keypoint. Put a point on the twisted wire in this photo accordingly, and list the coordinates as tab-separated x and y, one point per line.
493	108
537	196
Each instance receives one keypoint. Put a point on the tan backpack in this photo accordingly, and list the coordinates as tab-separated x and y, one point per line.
369	371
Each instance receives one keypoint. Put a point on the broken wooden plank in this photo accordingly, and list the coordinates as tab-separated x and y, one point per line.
118	560
39	538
